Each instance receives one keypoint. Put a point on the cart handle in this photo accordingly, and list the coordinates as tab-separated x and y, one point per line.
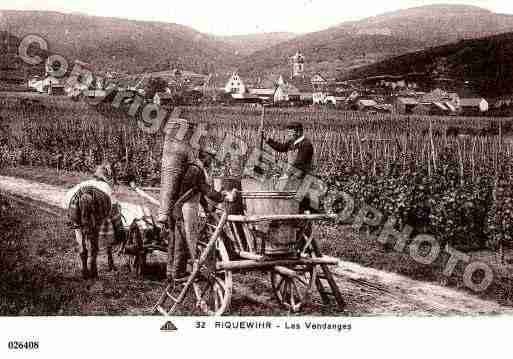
279	217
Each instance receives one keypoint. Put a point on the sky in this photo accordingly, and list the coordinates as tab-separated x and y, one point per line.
236	17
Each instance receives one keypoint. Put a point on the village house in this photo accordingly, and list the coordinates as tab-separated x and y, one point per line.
245	98
297	89
326	91
439	95
390	83
56	90
439	109
264	89
439	102
336	100
319	83
319	98
473	106
432	108
264	94
287	92
33	82
405	105
235	85
44	85
305	88
366	105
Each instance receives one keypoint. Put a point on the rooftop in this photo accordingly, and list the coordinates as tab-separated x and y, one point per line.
407	101
468	102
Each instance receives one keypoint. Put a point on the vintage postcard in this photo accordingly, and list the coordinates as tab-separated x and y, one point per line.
177	173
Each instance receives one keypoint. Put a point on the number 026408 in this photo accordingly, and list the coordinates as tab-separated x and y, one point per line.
23	345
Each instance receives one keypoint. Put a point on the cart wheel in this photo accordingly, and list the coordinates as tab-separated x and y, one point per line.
134	253
292	291
213	289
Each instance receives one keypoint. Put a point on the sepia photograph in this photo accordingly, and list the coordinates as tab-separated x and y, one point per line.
272	166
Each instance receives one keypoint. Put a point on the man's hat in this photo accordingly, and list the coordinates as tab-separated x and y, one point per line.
295	126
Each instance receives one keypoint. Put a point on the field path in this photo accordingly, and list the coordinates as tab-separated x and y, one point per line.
367	291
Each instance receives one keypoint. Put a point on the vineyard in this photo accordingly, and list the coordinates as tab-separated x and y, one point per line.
446	176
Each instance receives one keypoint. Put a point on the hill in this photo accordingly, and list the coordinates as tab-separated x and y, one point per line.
122	45
434	25
357	43
483	65
247	44
326	53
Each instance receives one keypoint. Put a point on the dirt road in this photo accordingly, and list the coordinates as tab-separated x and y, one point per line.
367	291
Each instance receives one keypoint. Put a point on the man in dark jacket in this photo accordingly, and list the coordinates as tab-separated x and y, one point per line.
299	161
299	151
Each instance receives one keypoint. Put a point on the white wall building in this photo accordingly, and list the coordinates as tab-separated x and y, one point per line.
235	85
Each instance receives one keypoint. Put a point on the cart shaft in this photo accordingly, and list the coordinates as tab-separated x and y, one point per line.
258	264
279	217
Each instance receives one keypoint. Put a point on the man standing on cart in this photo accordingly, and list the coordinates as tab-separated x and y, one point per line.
300	152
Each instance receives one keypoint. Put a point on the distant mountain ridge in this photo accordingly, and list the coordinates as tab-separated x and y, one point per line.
436	24
122	45
140	46
247	44
356	43
483	66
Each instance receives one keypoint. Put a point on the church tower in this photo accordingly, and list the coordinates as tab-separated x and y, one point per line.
298	64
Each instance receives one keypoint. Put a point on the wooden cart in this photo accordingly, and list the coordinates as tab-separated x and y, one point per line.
239	243
233	243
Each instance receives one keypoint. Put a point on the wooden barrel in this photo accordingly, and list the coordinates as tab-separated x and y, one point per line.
279	236
254	185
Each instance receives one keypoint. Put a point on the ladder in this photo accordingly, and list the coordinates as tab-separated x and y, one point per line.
329	289
175	292
173	295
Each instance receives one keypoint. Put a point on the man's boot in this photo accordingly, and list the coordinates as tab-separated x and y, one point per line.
110	259
93	268
83	258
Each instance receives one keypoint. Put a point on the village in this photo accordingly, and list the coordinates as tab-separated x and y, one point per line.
378	94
